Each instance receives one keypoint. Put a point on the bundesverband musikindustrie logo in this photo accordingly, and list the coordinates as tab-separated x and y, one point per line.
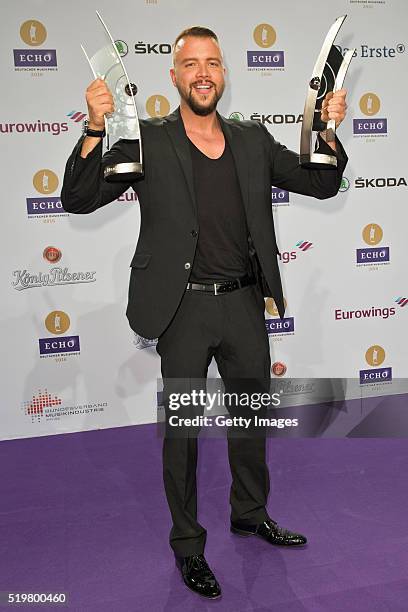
45	406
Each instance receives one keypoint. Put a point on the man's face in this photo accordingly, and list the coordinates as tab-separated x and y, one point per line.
198	73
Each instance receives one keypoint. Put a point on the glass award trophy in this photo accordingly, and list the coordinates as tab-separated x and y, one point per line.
328	75
123	123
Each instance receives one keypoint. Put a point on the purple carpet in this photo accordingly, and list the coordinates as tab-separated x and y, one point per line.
86	514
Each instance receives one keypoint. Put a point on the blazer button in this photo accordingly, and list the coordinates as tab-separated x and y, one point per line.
194	233
187	265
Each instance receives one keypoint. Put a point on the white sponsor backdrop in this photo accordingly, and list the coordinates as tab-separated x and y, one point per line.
109	382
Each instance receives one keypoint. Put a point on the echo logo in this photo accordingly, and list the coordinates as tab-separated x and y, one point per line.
157	106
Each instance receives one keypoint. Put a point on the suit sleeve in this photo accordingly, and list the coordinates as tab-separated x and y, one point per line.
287	173
84	189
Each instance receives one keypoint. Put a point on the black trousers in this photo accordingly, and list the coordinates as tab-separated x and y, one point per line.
231	328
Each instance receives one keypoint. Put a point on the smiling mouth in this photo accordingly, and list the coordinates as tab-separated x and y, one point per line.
202	88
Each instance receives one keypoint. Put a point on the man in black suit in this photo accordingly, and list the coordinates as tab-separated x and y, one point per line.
205	258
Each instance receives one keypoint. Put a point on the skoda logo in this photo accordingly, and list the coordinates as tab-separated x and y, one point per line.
345	184
237	116
121	47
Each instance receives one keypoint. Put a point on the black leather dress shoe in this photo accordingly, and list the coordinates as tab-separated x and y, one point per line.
271	532
198	576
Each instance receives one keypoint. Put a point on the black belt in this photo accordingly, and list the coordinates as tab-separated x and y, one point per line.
224	286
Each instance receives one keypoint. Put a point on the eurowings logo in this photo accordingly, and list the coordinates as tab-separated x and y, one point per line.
401	301
304	245
54	128
76	116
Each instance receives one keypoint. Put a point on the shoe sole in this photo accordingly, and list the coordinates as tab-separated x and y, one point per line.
247	534
240	532
196	592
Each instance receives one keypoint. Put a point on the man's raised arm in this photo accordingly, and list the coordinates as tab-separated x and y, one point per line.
321	183
84	188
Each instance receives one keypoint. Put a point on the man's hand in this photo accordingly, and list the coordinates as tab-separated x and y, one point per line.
334	106
100	102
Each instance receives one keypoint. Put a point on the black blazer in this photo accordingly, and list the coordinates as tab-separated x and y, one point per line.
164	254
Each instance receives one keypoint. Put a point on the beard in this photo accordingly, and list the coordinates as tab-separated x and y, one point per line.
201	108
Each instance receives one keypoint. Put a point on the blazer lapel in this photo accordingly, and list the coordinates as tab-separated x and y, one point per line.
241	157
175	129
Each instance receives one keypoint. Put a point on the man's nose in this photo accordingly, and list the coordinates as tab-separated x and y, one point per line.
202	70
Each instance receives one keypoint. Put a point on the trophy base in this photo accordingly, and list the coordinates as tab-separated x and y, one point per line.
122	173
318	160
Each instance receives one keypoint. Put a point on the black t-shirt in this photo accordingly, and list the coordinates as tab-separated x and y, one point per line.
222	248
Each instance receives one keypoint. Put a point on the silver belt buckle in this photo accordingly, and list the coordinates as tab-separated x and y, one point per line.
215	289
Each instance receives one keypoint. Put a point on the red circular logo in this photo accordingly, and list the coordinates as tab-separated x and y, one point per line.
279	368
52	254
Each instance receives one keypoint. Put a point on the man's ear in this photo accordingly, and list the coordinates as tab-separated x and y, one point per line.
173	76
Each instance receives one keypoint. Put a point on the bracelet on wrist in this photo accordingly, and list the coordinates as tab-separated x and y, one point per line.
87	131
